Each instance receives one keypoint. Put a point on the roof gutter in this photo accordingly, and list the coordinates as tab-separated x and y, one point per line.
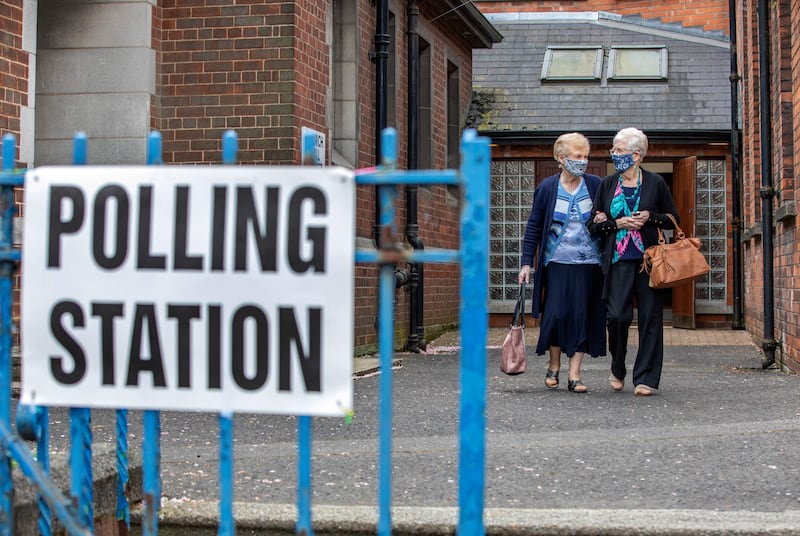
546	137
474	25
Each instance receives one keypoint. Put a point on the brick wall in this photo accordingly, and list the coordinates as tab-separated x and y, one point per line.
263	70
711	15
13	94
438	211
255	68
785	160
13	67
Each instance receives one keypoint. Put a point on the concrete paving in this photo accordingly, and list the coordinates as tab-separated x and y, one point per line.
715	451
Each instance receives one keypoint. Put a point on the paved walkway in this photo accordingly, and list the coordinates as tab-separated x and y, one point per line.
450	341
714	452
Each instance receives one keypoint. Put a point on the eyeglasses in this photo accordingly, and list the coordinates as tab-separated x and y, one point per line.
617	150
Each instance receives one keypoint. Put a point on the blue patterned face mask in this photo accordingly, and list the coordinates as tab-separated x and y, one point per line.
622	162
576	167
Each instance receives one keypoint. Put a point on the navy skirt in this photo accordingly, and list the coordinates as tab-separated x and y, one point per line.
573	315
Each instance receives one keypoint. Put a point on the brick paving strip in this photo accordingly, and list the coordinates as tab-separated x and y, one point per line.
672	337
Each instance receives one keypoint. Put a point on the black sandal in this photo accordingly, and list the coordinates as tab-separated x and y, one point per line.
573	385
551	375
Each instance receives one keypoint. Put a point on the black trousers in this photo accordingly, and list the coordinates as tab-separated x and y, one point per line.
624	283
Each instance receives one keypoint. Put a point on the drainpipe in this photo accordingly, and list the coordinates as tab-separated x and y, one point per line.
736	221
379	56
767	191
416	332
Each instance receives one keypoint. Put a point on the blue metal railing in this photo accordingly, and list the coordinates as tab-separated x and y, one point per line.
76	513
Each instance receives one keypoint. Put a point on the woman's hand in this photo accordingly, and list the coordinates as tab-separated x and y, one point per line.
600	217
525	274
629	222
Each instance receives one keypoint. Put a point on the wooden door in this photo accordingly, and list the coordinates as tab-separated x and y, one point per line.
683	181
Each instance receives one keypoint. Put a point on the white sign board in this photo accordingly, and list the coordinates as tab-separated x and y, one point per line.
213	288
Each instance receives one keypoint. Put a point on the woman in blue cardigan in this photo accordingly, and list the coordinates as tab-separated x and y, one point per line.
567	279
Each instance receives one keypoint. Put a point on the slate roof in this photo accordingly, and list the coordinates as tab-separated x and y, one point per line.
510	97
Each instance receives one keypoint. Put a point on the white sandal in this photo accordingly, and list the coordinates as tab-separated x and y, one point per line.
613	380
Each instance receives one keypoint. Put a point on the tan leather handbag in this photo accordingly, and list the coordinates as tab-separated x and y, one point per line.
670	265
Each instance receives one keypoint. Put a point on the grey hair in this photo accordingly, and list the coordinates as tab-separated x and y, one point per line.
633	138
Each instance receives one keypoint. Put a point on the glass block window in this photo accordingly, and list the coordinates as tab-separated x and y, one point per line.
511	200
710	217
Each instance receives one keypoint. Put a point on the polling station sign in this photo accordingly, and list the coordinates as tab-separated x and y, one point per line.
213	288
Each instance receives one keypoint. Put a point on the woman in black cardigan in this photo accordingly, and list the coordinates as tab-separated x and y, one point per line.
634	203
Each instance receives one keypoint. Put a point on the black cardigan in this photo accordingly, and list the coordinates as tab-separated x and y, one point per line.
654	196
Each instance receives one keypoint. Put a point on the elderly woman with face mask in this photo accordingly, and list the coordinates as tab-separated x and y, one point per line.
567	279
632	204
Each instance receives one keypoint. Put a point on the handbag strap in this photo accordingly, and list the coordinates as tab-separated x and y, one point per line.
519	309
678	231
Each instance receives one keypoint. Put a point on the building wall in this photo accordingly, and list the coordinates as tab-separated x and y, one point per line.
13	68
438	211
224	66
784	155
95	73
14	101
711	15
117	69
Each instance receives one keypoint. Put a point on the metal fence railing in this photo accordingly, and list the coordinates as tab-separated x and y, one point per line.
74	508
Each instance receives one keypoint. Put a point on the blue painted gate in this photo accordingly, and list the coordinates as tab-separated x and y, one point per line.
75	512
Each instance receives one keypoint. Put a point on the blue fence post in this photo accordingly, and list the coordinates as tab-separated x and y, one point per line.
227	525
152	418
80	418
123	487
387	195
45	521
6	285
476	157
32	425
304	423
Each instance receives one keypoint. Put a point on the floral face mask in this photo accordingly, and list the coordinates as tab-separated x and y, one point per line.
622	162
576	167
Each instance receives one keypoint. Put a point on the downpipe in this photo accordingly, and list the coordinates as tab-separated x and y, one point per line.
767	191
379	56
736	221
416	332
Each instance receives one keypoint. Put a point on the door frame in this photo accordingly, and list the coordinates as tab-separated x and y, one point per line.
684	178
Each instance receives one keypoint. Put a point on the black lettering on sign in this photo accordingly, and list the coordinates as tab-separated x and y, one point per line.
266	242
145	259
145	315
214	346
218	228
66	340
260	350
182	260
288	336
59	223
99	224
316	235
107	312
184	314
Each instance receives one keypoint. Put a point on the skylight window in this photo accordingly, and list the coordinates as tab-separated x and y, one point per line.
637	63
572	63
